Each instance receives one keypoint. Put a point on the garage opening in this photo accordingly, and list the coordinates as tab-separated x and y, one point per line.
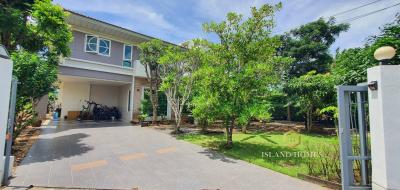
75	93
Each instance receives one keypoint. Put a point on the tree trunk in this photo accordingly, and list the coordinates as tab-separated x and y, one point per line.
229	129
289	113
264	125
309	121
154	102
203	124
336	126
245	127
5	40
177	123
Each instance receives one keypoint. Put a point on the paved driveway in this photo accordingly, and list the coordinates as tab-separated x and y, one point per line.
120	156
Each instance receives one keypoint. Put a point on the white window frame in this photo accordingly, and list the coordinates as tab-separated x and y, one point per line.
98	45
123	56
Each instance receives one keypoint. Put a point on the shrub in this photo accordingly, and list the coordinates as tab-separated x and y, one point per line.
26	117
324	162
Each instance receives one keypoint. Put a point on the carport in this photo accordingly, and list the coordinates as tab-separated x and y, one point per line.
76	88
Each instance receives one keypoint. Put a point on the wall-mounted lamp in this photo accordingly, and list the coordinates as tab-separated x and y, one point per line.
373	85
384	54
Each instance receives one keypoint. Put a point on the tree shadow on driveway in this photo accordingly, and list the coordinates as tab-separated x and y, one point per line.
57	148
217	156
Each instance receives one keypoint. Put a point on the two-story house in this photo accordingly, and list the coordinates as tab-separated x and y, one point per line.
103	67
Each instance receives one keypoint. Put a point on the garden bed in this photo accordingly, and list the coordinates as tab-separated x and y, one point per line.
24	141
317	180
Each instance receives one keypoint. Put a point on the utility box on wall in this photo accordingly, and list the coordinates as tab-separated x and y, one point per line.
5	85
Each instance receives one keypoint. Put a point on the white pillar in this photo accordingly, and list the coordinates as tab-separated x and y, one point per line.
5	85
133	89
384	109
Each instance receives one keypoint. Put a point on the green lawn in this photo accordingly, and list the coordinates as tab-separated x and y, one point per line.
250	148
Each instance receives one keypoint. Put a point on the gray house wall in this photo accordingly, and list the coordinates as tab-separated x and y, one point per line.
115	58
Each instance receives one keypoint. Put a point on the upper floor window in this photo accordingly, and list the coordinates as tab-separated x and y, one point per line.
127	56
98	45
91	43
104	47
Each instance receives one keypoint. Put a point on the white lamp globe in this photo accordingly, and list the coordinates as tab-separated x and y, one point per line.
384	53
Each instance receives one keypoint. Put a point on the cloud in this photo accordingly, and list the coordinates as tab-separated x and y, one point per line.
123	9
217	9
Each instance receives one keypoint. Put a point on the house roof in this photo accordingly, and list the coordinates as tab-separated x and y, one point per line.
144	37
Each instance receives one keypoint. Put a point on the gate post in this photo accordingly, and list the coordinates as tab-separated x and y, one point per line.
5	85
384	109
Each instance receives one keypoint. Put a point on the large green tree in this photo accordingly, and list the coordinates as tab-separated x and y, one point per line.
34	26
246	66
36	33
312	91
150	54
178	67
309	46
37	77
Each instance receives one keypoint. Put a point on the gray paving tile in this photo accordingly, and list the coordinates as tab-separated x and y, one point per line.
58	149
60	174
83	179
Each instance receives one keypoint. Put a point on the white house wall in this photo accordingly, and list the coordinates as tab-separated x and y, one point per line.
126	113
73	96
104	94
139	69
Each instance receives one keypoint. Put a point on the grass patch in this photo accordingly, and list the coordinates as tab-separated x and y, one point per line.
250	148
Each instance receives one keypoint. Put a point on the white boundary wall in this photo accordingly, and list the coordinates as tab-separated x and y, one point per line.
384	109
5	85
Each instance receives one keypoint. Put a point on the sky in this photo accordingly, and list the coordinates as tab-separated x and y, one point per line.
177	21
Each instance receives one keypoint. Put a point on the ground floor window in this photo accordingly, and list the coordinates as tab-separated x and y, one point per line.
148	108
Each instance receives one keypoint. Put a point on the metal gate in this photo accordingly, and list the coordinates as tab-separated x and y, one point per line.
10	130
355	146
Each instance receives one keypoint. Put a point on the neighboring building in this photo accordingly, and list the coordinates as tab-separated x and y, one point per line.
103	67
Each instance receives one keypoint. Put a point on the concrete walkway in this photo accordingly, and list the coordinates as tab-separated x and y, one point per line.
119	156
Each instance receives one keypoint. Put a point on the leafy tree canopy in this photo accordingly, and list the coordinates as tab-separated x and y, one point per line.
35	26
36	34
350	66
246	66
178	67
38	76
312	91
150	54
309	46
